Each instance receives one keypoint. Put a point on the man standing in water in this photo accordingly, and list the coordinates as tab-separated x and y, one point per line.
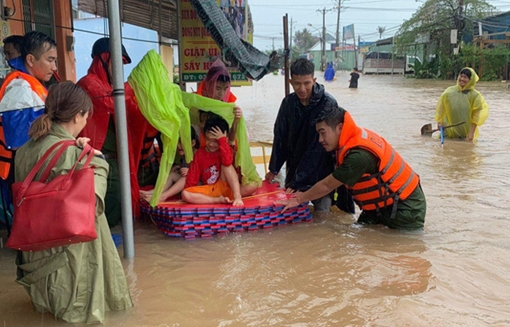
383	184
353	82
295	140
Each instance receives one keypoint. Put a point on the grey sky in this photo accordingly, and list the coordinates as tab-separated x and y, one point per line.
366	15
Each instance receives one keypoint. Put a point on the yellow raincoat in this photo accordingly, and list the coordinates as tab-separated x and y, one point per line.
458	104
77	283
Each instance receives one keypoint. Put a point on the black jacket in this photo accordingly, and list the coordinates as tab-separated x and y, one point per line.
296	141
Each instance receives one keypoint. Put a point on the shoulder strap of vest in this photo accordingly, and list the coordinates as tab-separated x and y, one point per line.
34	83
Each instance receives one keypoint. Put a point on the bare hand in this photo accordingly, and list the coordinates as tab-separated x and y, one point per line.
82	141
238	203
238	113
269	177
184	171
290	203
217	133
289	190
469	137
295	194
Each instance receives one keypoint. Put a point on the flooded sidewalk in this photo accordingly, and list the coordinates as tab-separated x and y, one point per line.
331	272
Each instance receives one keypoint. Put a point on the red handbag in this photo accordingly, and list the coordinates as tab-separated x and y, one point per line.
55	213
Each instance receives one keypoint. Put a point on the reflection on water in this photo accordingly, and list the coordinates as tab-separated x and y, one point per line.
331	272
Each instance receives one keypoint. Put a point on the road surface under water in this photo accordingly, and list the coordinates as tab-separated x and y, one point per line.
330	272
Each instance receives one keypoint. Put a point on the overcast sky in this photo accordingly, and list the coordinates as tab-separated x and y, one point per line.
366	15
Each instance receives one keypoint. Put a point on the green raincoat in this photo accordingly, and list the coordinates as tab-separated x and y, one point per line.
172	111
458	104
79	282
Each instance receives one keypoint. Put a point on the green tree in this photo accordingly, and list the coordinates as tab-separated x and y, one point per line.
304	40
431	25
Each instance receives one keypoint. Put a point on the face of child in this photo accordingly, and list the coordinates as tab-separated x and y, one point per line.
180	150
221	90
202	118
211	143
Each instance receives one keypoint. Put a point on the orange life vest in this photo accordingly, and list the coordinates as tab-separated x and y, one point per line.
151	153
5	153
395	179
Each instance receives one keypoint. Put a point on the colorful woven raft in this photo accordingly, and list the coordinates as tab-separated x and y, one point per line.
180	219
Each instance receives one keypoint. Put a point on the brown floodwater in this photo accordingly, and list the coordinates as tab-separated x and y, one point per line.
331	272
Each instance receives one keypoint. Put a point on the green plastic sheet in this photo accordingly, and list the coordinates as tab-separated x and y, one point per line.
171	111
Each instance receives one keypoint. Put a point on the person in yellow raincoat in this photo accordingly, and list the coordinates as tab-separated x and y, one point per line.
462	103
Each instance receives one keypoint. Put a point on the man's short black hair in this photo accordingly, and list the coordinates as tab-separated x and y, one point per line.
217	121
36	44
332	116
302	67
15	40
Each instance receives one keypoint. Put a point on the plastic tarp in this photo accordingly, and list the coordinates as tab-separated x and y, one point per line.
169	110
250	61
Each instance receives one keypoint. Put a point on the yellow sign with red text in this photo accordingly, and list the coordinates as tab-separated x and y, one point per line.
198	51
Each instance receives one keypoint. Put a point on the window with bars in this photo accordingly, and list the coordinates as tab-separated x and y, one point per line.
38	16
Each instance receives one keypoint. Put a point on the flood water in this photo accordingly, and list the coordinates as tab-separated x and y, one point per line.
329	272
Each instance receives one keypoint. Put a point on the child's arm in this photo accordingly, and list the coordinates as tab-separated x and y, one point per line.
238	113
227	157
193	177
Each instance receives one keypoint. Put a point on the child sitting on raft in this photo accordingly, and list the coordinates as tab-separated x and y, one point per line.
177	178
203	116
212	166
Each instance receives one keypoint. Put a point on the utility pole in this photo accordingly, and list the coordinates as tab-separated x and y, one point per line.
337	41
460	22
323	37
291	36
323	55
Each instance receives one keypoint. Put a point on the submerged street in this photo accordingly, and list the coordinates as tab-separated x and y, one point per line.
330	272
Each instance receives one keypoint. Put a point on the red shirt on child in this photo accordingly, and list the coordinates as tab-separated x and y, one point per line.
206	166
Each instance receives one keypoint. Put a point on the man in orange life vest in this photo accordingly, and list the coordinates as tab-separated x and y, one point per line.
383	185
23	94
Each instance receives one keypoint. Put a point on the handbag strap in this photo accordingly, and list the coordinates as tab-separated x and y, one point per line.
54	159
63	145
88	152
87	149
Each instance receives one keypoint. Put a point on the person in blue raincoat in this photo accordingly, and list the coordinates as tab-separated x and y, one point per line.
329	74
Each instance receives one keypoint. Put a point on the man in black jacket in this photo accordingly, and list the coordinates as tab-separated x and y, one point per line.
296	142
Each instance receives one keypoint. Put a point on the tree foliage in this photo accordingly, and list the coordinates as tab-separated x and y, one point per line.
304	40
432	23
438	17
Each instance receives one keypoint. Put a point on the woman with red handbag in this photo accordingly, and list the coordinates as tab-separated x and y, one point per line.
78	282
